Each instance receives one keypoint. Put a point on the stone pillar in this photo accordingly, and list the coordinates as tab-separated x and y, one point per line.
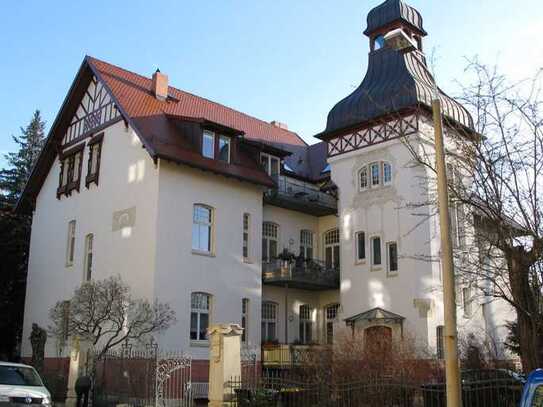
78	360
224	361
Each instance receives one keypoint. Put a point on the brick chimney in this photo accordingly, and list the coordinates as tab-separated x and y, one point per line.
160	85
283	126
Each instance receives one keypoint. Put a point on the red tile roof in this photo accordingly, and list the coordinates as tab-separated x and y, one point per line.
133	92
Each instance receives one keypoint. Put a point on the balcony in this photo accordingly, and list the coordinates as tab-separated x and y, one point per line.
287	356
312	275
301	196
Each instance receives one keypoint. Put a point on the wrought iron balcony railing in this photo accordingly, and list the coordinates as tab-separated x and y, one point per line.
301	196
304	274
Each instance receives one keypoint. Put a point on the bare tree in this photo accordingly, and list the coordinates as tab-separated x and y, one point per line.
105	314
495	180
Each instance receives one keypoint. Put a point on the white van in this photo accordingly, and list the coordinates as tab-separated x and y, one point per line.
21	385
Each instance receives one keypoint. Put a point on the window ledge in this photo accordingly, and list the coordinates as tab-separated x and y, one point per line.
376	268
247	260
201	253
199	344
392	274
360	262
68	265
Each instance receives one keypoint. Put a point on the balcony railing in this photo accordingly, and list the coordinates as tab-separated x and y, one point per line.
286	356
301	196
304	274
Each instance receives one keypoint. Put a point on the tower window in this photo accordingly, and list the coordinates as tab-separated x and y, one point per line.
378	42
375	175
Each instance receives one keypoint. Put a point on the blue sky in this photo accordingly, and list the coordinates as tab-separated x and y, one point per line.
286	60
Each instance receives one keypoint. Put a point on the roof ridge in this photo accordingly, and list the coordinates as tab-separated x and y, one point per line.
91	58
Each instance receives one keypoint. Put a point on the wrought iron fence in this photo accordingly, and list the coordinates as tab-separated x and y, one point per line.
145	376
278	389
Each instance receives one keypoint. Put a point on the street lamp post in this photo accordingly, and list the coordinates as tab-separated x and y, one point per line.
452	368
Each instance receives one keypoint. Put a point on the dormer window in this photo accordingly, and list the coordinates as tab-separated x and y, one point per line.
271	164
208	144
378	42
374	175
216	146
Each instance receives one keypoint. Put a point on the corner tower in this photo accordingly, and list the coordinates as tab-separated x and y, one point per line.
386	287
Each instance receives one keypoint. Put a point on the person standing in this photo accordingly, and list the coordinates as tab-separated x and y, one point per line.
82	389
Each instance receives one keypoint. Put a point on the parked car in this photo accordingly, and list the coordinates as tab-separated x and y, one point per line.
22	385
488	387
532	395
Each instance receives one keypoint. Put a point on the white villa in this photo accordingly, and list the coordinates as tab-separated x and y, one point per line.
229	218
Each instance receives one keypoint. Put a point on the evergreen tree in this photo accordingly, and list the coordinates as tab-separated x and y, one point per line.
15	234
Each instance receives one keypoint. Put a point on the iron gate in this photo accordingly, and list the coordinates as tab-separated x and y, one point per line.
141	376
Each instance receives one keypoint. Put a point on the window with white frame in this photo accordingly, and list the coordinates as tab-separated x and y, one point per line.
360	241
200	305
87	261
270	233
331	318
245	319
392	257
246	225
208	144
202	228
269	322
224	149
374	175
306	324
331	248
375	243
70	245
271	164
306	244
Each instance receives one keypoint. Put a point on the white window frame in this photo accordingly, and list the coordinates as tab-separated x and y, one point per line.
372	251
306	324
197	223
440	343
269	238
229	144
331	244
198	310
70	244
208	134
245	303
358	258
246	236
268	317
88	258
366	177
307	237
467	300
266	160
389	260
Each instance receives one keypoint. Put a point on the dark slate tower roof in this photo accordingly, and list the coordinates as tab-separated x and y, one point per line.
392	11
395	80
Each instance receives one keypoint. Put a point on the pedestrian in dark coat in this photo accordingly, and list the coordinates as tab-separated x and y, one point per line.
82	388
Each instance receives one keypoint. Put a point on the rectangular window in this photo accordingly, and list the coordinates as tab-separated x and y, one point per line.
70	246
392	253
65	319
202	228
88	257
375	174
364	178
439	342
224	149
70	170
208	144
387	174
93	164
331	317
306	244
306	324
199	316
244	319
269	322
269	241
376	251
272	165
467	301
360	246
246	223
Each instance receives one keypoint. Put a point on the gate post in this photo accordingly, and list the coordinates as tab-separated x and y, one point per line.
224	361
78	360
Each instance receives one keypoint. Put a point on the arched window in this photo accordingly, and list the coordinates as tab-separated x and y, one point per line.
200	307
270	235
331	317
331	248
202	228
379	42
374	175
269	321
